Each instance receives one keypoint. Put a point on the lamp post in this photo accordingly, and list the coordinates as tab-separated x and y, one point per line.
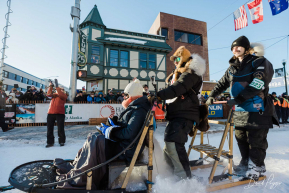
284	63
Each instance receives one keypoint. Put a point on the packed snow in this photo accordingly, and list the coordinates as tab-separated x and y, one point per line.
26	144
132	41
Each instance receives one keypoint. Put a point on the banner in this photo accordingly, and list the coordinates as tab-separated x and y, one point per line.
82	49
279	72
10	113
215	110
25	113
80	112
95	86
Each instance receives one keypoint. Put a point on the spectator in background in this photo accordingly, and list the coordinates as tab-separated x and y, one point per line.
120	98
11	99
79	97
117	95
91	98
100	98
18	95
146	91
110	97
277	105
56	112
206	95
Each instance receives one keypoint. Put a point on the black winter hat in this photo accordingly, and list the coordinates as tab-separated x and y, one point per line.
273	93
284	94
241	41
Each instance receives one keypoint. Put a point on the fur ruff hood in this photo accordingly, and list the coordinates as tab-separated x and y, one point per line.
198	65
258	49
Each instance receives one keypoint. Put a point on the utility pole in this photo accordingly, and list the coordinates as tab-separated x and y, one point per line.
4	39
284	63
75	14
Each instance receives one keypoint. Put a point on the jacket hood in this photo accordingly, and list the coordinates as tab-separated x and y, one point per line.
258	49
100	94
198	64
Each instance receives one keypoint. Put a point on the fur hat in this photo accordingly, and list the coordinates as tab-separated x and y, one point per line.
241	41
134	88
183	53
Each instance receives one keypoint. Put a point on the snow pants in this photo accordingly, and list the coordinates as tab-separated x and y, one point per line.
176	135
51	118
284	114
252	144
278	112
3	125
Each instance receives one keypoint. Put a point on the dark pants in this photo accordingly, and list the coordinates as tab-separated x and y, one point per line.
176	135
278	112
284	114
252	144
3	125
60	126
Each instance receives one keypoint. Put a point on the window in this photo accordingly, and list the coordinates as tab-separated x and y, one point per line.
123	59
32	82
9	88
27	81
181	36
164	32
11	76
18	78
113	57
188	38
5	87
95	55
152	61
15	77
6	74
143	60
21	79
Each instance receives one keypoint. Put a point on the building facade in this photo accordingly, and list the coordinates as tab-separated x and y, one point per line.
180	31
115	57
12	76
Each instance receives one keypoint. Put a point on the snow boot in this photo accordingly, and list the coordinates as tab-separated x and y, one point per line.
242	167
254	172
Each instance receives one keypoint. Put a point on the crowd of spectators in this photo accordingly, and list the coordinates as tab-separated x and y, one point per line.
219	98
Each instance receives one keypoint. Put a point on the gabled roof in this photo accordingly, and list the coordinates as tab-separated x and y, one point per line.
93	17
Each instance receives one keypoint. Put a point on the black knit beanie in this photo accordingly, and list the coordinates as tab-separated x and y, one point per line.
241	41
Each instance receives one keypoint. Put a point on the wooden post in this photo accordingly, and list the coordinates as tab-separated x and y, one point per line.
230	169
132	163
192	142
89	180
150	166
202	142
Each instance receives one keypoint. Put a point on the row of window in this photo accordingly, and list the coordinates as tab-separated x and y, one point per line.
180	36
119	58
22	79
9	88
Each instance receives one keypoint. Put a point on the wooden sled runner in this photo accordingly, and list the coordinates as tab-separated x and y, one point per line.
218	182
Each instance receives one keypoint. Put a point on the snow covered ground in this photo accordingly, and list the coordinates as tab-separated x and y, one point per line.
26	144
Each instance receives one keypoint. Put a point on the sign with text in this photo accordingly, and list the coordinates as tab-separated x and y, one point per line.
82	49
95	86
10	113
80	112
216	110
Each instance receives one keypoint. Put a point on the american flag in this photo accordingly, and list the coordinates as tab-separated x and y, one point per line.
240	18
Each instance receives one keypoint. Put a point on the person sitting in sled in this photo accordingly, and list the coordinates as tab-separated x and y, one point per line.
99	148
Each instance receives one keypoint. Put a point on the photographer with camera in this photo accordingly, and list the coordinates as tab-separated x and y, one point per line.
56	112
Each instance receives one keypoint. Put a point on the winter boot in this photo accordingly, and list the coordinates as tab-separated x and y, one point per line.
254	172
242	167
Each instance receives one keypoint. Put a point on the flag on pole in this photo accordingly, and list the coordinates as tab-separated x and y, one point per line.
277	6
240	18
256	11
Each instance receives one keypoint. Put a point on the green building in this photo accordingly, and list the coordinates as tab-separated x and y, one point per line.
115	57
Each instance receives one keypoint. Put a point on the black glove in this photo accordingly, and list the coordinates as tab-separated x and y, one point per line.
210	101
231	103
56	83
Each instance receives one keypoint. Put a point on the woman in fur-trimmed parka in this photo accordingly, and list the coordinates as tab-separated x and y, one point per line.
249	75
182	107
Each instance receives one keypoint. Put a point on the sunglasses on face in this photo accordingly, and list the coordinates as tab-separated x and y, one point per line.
177	59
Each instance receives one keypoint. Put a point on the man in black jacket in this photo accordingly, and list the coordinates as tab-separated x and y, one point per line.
182	108
249	77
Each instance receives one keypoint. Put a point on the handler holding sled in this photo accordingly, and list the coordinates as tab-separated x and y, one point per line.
248	75
182	105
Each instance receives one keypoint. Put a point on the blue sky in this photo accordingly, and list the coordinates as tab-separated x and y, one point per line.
40	41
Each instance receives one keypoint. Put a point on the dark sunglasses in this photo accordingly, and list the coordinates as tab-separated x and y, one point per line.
177	59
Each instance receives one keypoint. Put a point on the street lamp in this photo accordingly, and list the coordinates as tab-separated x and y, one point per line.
284	63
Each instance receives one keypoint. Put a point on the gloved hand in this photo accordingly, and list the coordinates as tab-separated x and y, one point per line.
102	129
210	100
231	103
152	98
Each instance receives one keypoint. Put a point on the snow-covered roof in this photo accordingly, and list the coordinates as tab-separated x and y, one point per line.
133	41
